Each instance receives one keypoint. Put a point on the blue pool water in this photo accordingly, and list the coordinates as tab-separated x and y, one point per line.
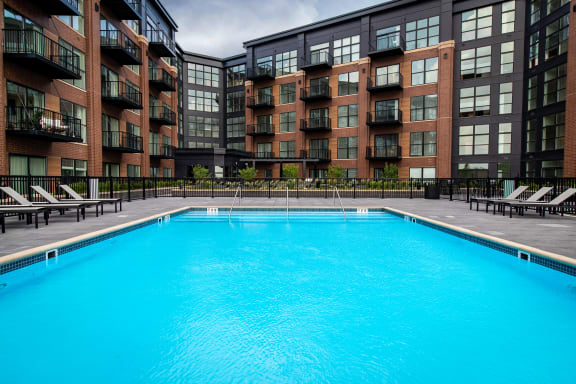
317	299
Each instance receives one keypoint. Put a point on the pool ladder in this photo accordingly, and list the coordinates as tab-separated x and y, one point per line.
335	193
238	191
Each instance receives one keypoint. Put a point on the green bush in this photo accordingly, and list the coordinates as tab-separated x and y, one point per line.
247	174
335	172
200	172
290	171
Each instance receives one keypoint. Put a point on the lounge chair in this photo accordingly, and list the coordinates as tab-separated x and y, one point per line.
20	210
541	207
77	198
52	200
511	197
60	207
536	196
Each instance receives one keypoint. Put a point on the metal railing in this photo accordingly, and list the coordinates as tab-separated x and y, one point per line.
121	141
162	150
260	72
35	119
383	152
383	81
317	58
316	124
160	75
115	39
239	190
162	113
120	90
260	101
387	42
287	205
335	193
158	36
316	91
384	116
260	129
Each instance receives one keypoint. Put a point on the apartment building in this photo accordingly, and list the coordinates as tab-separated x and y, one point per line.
89	88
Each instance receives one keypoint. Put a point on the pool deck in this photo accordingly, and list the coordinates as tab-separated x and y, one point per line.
552	233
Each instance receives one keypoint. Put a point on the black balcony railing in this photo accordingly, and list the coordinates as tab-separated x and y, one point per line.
162	114
388	116
42	123
161	43
263	155
59	7
260	73
316	92
319	154
387	45
385	82
124	9
162	151
41	54
316	61
121	94
117	45
383	152
260	101
161	80
121	142
260	130
316	124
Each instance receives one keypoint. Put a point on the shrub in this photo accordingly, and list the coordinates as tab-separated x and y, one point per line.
199	172
335	172
390	171
290	171
247	174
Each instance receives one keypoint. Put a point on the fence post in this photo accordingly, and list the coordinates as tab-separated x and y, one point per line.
382	180
129	189
451	189
155	188
29	189
111	188
467	190
325	188
143	189
212	187
411	189
297	188
269	186
354	188
183	187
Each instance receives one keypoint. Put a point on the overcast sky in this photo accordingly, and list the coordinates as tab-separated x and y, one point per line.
219	27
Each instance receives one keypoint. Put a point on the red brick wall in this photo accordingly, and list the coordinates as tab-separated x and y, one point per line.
570	128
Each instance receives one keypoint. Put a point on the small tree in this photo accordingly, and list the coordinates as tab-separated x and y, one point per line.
199	172
247	174
336	172
390	171
290	171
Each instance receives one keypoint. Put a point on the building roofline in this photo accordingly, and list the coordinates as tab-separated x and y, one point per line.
165	13
238	56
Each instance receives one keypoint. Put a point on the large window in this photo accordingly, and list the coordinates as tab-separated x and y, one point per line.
552	5
287	149
319	53
475	101
423	143
347	50
133	170
505	98
235	126
387	38
423	33
348	116
532	93
531	128
423	107
348	83
203	75
505	138
534	43
203	101
73	167
507	57
19	96
475	62
423	173
287	122
286	62
80	83
21	165
557	37
425	71
474	140
552	168
264	150
74	110
508	16
348	147
200	126
237	146
76	22
235	76
477	24
534	11
473	170
553	132
288	93
111	169
387	75
235	102
555	85
264	62
202	145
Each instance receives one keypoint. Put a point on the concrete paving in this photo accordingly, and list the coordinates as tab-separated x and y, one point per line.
551	233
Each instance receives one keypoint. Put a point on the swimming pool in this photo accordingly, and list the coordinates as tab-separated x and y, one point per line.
316	298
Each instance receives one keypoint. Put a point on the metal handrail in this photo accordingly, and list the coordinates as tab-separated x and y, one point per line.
335	193
287	206
239	190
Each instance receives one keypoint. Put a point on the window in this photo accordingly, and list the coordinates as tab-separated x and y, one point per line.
422	33
507	57
504	170
235	102
423	173
319	53
534	11
508	16
80	83
318	173
73	167
351	173
319	148
475	62
552	5
236	146
555	85
264	123
477	24
347	50
425	71
23	97
505	138
505	98
76	22
154	143
111	170
264	150
348	147
557	37
531	126
287	149
133	170
203	75
154	171
202	145
235	126
386	146
287	122
235	76
348	83
21	165
473	170
200	126
166	172
474	140
203	101
288	93
532	93
110	124
74	110
552	168
533	49
387	75
388	38
423	107
348	115
264	62
423	143
475	101
286	63
553	132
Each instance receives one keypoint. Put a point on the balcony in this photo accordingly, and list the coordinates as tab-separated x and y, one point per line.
316	92
388	45
263	155
389	152
161	80
317	61
260	73
121	142
260	130
161	151
59	7
162	115
34	50
42	124
389	82
384	117
121	95
124	9
118	46
322	155
260	102
316	124
161	43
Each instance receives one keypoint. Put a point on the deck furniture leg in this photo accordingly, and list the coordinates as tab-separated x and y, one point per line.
36	220
3	222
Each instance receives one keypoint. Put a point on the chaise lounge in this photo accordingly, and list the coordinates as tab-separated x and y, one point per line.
75	197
